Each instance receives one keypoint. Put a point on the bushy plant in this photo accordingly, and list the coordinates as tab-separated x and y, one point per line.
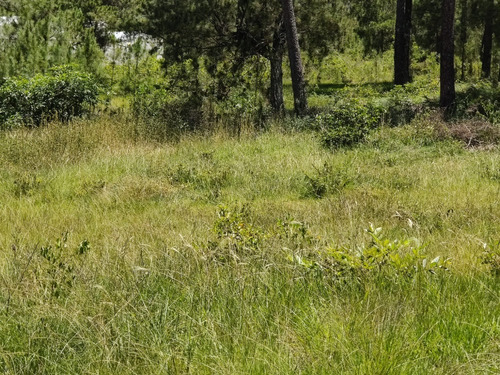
480	100
347	124
491	257
397	257
404	103
236	237
62	94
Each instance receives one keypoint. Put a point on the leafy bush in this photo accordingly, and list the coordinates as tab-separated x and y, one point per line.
404	104
397	257
481	100
347	124
491	257
236	237
61	94
57	271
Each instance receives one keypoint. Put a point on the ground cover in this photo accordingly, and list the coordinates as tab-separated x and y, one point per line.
212	254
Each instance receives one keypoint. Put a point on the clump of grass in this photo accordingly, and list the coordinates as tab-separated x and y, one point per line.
327	180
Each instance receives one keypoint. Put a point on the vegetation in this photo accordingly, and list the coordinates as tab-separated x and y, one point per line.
123	255
181	195
63	94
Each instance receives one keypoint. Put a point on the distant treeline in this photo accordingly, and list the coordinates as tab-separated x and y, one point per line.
232	43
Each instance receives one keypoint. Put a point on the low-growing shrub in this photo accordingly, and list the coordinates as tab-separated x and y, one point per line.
61	94
491	257
236	238
396	257
400	108
481	101
347	124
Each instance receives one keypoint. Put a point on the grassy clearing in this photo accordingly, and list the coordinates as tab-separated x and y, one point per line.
154	277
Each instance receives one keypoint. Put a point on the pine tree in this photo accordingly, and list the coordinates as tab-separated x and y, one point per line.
296	67
447	96
402	44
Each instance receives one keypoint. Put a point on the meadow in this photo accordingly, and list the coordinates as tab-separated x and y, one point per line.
265	253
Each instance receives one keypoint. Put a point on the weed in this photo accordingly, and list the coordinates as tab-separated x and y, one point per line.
490	170
491	257
58	272
207	177
236	237
396	257
327	180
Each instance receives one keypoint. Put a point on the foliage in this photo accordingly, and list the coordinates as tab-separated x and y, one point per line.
61	94
480	100
398	257
166	113
346	124
236	237
57	271
45	34
404	103
491	257
376	24
327	180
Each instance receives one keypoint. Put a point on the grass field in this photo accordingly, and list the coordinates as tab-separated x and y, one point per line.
216	255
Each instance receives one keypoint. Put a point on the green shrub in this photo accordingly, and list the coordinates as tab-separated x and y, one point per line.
481	100
62	94
404	104
395	257
236	238
347	124
491	257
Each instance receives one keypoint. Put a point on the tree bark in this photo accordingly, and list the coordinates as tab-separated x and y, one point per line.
487	43
276	60
402	44
296	67
464	19
447	97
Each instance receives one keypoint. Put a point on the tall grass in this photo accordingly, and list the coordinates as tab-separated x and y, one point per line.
114	261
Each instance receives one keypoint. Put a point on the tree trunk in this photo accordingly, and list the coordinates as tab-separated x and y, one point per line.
402	44
276	60
487	43
464	18
447	97
296	67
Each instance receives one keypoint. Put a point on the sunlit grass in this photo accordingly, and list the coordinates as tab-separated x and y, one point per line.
147	299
